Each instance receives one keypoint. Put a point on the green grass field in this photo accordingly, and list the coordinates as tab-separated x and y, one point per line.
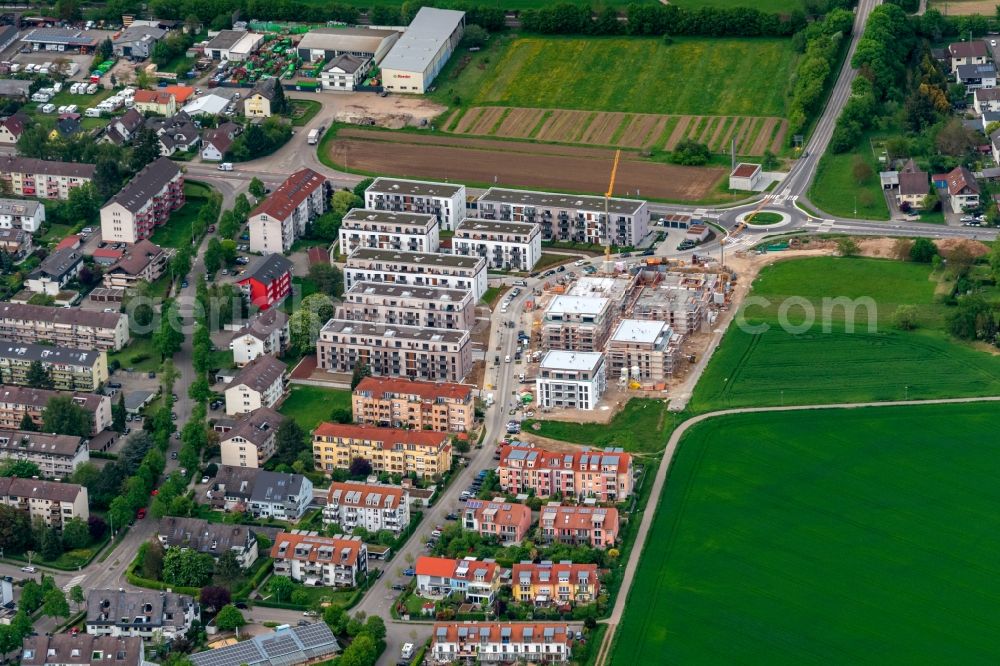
642	426
715	76
177	231
815	367
309	405
850	537
837	192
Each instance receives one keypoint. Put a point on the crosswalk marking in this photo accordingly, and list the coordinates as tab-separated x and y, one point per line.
75	580
781	198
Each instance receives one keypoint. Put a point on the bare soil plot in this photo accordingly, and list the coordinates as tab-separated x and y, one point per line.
487	120
642	130
681	131
753	130
764	138
964	7
519	123
779	138
565	126
602	128
469	119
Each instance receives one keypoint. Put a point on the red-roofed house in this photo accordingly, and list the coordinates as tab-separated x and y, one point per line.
963	189
405	403
106	256
339	561
155	101
968	53
267	281
501	643
440	576
71	242
595	526
507	521
559	583
181	93
11	128
281	218
422	452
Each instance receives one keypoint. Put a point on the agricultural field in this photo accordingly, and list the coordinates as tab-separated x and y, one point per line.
815	367
811	537
752	134
964	7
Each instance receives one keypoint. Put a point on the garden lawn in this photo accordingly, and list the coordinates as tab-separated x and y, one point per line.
140	355
863	536
177	231
304	110
776	367
309	405
716	76
642	426
55	233
835	190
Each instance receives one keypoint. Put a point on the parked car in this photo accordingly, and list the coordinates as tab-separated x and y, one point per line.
409	572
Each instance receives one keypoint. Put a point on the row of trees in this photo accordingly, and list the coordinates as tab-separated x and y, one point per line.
821	42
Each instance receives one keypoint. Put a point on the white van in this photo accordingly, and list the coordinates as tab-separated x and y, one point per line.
226	166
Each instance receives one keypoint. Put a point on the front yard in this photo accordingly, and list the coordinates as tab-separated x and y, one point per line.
309	405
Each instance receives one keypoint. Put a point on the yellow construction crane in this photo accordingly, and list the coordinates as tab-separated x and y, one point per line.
607	217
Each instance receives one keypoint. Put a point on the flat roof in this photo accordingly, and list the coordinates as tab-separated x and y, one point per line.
420	188
471	224
363	215
570	360
389	290
553	200
65	36
639	330
577	305
429	30
352	40
745	170
347	326
419	258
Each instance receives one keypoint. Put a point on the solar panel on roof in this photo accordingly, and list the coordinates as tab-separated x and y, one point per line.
279	645
442	632
314	635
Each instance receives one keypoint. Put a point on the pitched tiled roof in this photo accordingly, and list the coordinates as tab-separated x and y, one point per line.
81	650
49	490
961	178
378	387
147	183
386	437
138	256
267	269
290	194
260	373
333	550
363	494
256	427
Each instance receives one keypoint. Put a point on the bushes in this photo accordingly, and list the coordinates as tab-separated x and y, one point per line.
690	153
822	44
711	21
259	140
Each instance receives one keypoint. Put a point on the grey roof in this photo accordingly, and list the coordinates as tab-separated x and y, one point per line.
226	39
143	609
267	268
287	645
64	36
426	34
265	324
136	399
19	207
59	263
362	216
237	482
275	486
567	201
396	291
148	182
138	33
56	315
50	490
89	650
471	225
260	373
62	355
976	71
352	40
203	536
256	427
14	235
14	88
49	167
396	331
264	88
361	256
346	63
422	188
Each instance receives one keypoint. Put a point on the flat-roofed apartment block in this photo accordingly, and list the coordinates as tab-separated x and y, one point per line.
577	323
571	380
509	246
501	642
387	230
44	179
604	475
642	351
569	217
371	506
338	561
70	369
391	350
50	502
68	327
16	401
595	526
396	451
281	218
680	299
57	456
417	405
427	307
417	269
144	203
20	214
445	201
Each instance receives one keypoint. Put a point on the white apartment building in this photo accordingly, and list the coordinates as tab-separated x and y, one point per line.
260	383
373	507
16	401
445	201
570	217
339	561
394	351
419	269
282	217
268	335
577	323
427	307
251	441
57	456
49	502
571	380
67	327
509	246
21	214
44	179
388	230
144	203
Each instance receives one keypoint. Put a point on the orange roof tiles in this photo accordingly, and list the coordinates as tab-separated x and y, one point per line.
576	574
519	632
152	97
346	495
379	386
180	93
387	437
444	567
581	517
324	550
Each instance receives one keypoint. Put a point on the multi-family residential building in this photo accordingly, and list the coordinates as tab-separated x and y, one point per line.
65	649
144	614
16	401
416	405
387	230
570	217
267	281
963	189
426	307
394	351
250	442
604	475
345	72
419	269
43	179
501	643
558	583
595	526
70	369
68	327
258	103
57	456
679	299
213	539
445	201
49	502
571	380
144	203
55	272
142	262
279	495
642	350
260	383
371	506
396	451
17	243
21	214
339	561
578	323
508	522
155	101
509	246
478	581
973	52
266	335
280	219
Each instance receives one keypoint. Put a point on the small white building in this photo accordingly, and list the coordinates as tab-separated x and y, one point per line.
233	45
21	214
345	72
387	230
745	177
371	506
265	335
509	246
261	383
444	200
571	380
250	441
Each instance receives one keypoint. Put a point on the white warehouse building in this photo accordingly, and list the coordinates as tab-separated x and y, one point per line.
423	50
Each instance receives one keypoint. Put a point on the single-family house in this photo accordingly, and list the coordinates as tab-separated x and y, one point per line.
155	101
258	103
968	53
962	189
267	334
345	72
913	187
11	128
976	76
121	130
986	99
16	242
215	142
54	272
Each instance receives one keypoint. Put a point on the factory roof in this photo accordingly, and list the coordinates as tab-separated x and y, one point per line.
429	30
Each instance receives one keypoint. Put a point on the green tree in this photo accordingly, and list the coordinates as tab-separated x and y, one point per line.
241	206
76	534
289	440
257	187
38	376
213	255
228	568
375	627
15	530
279	103
905	317
363	651
63	416
145	148
361	370
281	587
55	604
328	278
229	618
52	545
31	596
27	423
690	153
923	250
187	568
76	595
119	414
21	469
169	337
847	247
475	36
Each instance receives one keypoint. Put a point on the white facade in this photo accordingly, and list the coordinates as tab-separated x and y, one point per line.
344	73
21	214
385	230
571	380
444	200
282	217
513	246
423	50
242	399
373	507
420	269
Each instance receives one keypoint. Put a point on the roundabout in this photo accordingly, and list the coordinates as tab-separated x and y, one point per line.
765	218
